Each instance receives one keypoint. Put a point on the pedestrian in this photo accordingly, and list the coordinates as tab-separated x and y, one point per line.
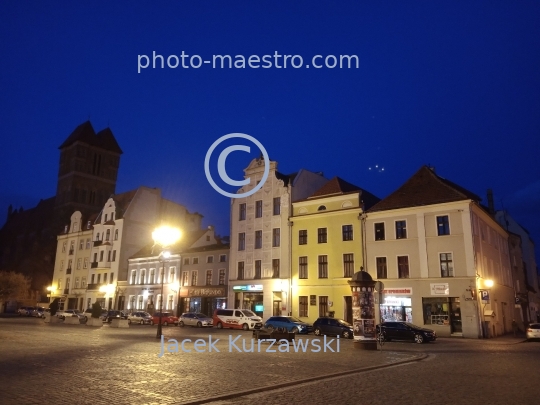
515	327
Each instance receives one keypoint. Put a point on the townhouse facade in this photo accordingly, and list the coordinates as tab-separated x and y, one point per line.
259	267
442	258
194	275
122	228
327	249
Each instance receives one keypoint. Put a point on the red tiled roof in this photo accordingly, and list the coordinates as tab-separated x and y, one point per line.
338	186
424	188
85	133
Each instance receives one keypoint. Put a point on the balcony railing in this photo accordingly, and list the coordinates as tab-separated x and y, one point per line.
94	286
93	265
68	270
97	243
66	291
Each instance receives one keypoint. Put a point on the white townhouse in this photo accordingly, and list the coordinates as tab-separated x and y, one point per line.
260	256
443	259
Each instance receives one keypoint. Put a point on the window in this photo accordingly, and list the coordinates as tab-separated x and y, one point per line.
186	260
133	276
83	282
275	237
323	266
258	269
114	255
323	305
302	267
381	267
379	231
184	278
170	302
258	209
208	277
88	243
222	258
79	262
142	280
152	279
403	266
240	273
97	236
108	235
112	278
93	279
61	265
76	282
321	208
242	212
275	268
209	259
101	255
303	305
436	310
81	244
401	229
105	278
322	235
116	234
221	277
347	232
447	267
348	264
85	263
277	206
64	247
105	218
242	241
109	256
99	278
194	277
67	283
195	260
258	239
302	237
443	227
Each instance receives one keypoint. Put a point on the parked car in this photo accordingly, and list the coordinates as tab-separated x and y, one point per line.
326	325
405	331
290	323
167	318
71	312
195	319
236	319
88	314
533	331
114	314
25	311
140	317
39	312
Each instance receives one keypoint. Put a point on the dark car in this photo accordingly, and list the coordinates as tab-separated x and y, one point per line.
115	315
290	323
326	325
405	331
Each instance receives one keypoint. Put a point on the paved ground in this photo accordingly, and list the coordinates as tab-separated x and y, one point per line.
76	364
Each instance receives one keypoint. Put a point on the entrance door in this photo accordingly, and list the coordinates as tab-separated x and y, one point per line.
276	308
348	309
455	316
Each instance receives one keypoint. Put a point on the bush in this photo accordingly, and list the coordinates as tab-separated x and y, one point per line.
54	307
96	310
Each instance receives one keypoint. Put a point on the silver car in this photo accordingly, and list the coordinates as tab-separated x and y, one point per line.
195	319
140	317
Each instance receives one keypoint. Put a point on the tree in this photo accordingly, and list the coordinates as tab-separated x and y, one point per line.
13	285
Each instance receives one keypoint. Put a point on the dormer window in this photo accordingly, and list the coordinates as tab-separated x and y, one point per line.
321	208
97	236
105	217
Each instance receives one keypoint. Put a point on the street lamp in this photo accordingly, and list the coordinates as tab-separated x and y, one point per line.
164	236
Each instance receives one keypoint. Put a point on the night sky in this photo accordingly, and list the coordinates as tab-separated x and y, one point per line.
454	85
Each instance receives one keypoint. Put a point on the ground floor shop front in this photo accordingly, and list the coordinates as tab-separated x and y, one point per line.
265	298
203	299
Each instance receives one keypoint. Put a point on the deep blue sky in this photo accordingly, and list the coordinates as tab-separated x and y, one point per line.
453	85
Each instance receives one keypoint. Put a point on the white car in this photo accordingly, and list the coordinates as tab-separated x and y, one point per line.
533	331
70	312
195	319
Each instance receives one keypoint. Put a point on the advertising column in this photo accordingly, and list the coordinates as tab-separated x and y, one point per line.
363	306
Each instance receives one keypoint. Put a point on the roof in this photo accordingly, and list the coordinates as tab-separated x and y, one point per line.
424	188
33	219
85	133
287	178
338	186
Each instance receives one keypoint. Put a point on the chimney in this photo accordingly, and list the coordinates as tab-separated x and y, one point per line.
491	205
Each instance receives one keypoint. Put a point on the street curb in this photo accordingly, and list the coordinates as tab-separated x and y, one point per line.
303	381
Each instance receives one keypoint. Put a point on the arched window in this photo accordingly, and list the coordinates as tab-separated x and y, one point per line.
321	208
108	236
116	234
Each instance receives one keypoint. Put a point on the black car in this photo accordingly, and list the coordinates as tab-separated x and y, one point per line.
115	315
405	331
326	325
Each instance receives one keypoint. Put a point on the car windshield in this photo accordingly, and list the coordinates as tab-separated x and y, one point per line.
412	325
293	319
199	315
341	321
248	313
534	326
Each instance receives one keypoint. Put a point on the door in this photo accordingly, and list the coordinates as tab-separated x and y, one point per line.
276	308
348	309
455	316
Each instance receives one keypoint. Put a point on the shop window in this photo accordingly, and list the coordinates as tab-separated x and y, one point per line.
303	267
322	235
379	231
323	267
347	232
401	229
436	311
447	266
258	269
302	237
258	208
348	264
403	266
303	305
381	267
443	226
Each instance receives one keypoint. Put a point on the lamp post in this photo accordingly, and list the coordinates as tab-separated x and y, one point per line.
164	236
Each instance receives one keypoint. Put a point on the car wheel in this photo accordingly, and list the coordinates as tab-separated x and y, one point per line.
245	326
199	324
219	325
165	323
181	324
317	332
346	334
418	338
270	328
294	330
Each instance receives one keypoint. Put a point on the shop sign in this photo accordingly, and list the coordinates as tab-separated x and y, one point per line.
440	289
397	302
206	292
253	287
398	291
